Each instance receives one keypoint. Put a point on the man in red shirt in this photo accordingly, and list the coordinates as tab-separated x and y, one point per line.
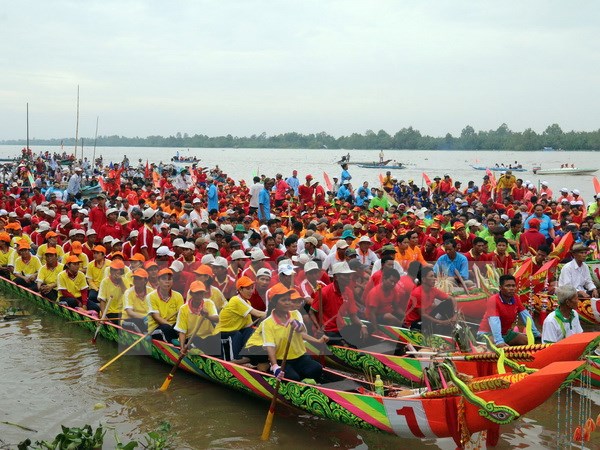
462	238
334	302
385	302
531	238
500	315
146	235
97	214
111	227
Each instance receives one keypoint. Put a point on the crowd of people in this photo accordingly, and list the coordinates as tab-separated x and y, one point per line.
195	255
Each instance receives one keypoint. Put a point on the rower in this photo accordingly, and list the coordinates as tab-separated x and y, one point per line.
273	334
6	255
47	275
113	288
384	302
500	314
25	266
95	273
564	320
235	319
135	307
199	311
72	286
163	306
205	274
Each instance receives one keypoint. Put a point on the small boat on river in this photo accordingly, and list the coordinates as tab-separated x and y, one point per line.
459	409
384	165
500	169
565	171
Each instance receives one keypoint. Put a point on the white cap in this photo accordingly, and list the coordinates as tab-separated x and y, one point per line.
504	217
220	261
110	211
213	245
148	213
257	255
189	245
196	200
544	183
575	192
156	241
43	226
530	186
286	269
50	213
263	272
473	223
89	232
207	259
72	233
341	244
365	238
311	265
107	240
178	242
239	254
227	229
84	211
176	266
564	190
341	268
134	233
302	259
64	220
164	251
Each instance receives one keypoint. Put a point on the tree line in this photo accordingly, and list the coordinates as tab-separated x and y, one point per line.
407	138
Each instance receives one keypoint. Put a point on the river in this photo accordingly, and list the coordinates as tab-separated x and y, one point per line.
50	377
243	163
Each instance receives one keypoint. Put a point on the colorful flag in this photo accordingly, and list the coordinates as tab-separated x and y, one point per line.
147	171
426	178
522	274
538	279
563	247
327	181
596	185
492	178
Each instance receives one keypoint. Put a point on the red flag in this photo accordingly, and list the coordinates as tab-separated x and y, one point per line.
327	181
426	178
522	274
381	179
596	185
563	247
147	171
538	279
102	183
492	178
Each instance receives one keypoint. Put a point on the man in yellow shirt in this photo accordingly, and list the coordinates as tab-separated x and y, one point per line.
51	242
77	250
112	290
235	319
26	266
205	274
7	255
72	287
199	313
95	273
48	274
163	306
135	307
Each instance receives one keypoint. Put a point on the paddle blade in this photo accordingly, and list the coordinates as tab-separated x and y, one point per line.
268	425
529	331
166	383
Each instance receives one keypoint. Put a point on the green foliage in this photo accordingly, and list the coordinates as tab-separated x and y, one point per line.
407	138
87	439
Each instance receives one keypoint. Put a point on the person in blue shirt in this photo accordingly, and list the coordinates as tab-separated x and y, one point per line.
345	192
546	225
364	188
452	262
345	174
264	201
212	194
294	182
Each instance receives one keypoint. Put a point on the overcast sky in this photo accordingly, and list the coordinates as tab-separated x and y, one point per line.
248	66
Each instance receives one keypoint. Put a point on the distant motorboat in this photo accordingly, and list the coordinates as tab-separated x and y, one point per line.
500	169
380	165
548	149
564	171
358	163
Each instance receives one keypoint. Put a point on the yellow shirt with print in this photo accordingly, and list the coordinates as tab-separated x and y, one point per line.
41	253
187	321
30	268
110	291
94	274
7	258
131	301
235	315
166	309
47	275
73	285
275	334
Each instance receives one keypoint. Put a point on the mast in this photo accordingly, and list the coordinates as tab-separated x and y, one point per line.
77	125
27	126
81	150
95	139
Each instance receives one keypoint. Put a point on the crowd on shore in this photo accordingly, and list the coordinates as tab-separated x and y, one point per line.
193	254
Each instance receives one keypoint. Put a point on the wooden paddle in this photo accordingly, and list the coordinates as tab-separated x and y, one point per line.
103	318
462	282
271	414
186	347
125	351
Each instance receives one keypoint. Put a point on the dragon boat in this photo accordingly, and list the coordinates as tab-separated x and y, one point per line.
459	409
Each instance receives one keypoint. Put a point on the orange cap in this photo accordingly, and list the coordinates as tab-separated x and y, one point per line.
113	254
72	259
197	286
458	225
162	272
279	289
243	282
100	248
204	270
50	234
4	237
117	264
149	264
51	251
76	248
23	245
141	273
138	257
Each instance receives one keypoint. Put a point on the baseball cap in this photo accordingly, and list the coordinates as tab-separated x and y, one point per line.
164	251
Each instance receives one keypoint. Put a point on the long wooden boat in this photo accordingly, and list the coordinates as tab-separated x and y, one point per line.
483	404
356	163
380	166
564	171
499	169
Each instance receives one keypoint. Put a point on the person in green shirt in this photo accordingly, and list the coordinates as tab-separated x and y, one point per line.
379	201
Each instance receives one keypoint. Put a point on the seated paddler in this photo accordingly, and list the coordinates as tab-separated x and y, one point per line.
163	306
